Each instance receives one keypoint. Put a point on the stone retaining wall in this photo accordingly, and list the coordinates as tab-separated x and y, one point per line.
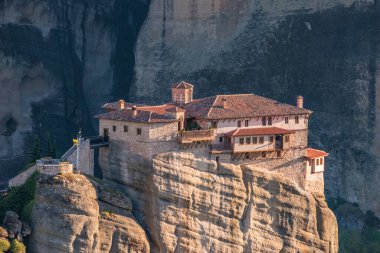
21	178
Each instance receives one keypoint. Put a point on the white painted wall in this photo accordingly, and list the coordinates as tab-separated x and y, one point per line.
315	165
228	125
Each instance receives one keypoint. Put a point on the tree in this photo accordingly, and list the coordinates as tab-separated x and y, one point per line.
36	151
50	147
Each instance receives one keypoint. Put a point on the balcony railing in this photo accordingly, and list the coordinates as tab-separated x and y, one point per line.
196	135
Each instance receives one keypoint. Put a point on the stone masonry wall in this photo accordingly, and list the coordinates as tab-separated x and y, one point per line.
154	138
86	158
21	178
314	182
299	138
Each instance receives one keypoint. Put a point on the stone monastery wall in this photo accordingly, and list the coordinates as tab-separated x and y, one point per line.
154	138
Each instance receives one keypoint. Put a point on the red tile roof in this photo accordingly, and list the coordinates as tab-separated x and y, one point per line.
161	109
182	85
258	131
315	153
116	105
239	106
141	117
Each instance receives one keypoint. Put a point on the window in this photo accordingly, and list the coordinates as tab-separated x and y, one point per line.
248	140
317	162
286	138
254	140
138	131
264	121
239	123
286	120
125	128
105	132
220	139
246	123
271	139
269	121
261	140
297	119
214	124
114	128
241	141
321	161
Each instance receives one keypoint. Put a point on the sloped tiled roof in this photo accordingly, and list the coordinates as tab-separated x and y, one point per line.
161	109
115	105
239	106
258	131
141	117
315	153
182	85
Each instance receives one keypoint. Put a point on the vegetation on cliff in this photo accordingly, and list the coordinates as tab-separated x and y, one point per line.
5	245
358	232
20	199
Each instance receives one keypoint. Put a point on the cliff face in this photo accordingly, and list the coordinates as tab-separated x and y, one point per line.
71	214
59	61
187	203
325	50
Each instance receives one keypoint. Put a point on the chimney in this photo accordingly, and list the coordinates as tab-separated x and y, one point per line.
300	102
134	110
121	104
224	101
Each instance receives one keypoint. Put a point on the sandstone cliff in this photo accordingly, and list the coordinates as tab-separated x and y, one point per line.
61	59
188	203
71	214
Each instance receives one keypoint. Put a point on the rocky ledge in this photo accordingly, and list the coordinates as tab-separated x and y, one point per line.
75	214
186	203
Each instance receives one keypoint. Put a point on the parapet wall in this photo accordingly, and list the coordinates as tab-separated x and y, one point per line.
86	158
54	168
21	178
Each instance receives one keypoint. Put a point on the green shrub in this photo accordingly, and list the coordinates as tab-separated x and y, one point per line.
17	247
4	245
26	214
19	197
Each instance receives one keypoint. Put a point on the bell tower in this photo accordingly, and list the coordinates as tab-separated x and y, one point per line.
182	93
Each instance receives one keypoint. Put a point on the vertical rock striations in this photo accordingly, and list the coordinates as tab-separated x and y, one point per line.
188	203
69	216
59	61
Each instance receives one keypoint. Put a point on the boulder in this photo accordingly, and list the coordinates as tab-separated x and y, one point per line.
12	223
3	232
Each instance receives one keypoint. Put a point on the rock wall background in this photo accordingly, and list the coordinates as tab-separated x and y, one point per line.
60	60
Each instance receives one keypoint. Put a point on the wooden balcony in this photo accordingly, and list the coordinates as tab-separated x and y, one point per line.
196	135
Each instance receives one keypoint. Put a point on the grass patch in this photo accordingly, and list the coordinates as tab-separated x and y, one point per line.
19	197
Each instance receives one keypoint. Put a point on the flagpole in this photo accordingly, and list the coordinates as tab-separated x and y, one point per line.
78	145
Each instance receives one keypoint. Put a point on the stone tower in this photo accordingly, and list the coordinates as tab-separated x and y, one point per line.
182	92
